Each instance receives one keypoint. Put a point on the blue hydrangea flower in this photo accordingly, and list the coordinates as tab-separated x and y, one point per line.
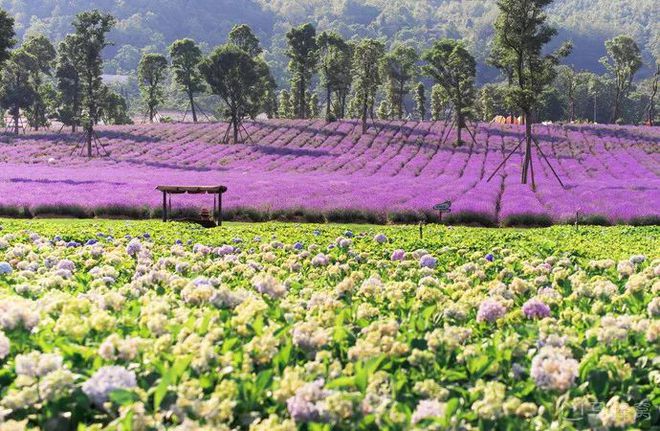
5	268
490	257
428	261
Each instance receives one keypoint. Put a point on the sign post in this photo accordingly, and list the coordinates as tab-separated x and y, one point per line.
442	208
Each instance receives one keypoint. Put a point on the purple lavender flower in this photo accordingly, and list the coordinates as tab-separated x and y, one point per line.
490	257
298	246
490	310
535	309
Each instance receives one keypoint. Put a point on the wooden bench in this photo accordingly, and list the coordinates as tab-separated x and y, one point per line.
216	191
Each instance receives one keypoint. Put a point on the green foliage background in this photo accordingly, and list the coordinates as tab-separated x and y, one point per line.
151	25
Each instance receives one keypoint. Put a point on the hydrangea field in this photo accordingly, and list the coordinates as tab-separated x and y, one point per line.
149	326
395	170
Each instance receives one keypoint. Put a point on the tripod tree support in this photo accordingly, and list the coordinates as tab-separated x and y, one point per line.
506	159
90	141
538	147
528	165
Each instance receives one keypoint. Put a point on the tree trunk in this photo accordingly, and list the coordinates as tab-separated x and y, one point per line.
400	100
192	106
303	101
328	102
90	132
343	106
364	117
652	101
235	122
615	109
460	125
528	147
17	114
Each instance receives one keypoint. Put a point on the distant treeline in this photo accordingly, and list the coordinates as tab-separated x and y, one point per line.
329	77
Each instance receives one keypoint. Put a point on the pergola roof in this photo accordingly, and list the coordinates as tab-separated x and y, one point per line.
192	189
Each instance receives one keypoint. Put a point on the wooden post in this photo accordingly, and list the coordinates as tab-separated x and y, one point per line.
215	214
164	206
220	209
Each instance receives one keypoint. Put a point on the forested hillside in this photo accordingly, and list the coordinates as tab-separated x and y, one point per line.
153	24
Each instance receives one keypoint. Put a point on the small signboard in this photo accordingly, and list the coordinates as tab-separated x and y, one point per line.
444	207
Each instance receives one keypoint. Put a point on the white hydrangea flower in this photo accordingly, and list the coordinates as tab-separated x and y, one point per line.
4	346
107	379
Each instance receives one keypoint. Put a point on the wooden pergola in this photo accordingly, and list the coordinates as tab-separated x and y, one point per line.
216	191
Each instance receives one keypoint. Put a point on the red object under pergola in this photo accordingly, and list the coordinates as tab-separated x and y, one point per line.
216	191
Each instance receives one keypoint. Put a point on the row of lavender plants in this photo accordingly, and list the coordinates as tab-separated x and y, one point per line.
313	170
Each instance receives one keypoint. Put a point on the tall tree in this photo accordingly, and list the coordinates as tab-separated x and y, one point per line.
303	54
231	74
44	53
314	111
284	105
243	37
152	71
113	108
399	68
17	89
438	102
420	101
68	84
367	77
491	101
7	35
91	28
264	95
186	57
623	60
451	66
651	112
521	33
334	67
572	86
7	41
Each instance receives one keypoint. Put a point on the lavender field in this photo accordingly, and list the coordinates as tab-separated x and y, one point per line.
396	169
